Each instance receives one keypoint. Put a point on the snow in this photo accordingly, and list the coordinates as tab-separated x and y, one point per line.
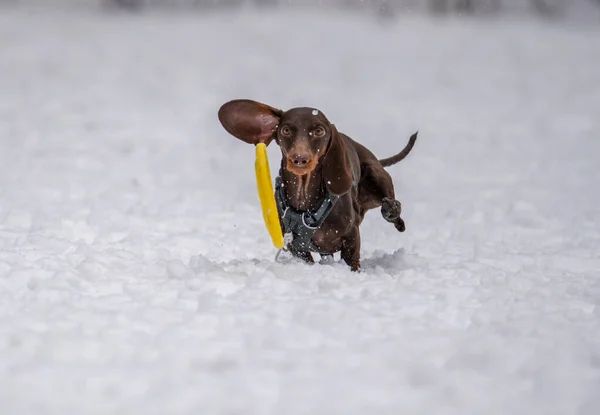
136	274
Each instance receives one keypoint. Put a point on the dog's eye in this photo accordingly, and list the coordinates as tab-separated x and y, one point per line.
319	131
286	131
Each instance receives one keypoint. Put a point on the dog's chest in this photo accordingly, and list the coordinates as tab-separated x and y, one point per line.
327	239
303	193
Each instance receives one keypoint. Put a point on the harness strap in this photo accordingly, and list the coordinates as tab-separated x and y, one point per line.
301	224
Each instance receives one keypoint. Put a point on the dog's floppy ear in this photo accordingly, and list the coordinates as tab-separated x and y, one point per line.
250	121
337	171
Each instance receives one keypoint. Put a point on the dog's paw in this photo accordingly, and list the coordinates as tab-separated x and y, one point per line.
399	224
390	209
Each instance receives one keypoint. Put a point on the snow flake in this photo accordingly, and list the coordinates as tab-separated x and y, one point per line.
315	112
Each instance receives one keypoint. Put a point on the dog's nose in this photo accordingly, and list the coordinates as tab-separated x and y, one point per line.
300	160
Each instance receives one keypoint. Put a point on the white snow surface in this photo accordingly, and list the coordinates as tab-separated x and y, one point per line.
136	274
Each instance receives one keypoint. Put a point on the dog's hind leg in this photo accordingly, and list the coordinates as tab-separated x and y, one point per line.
391	210
378	189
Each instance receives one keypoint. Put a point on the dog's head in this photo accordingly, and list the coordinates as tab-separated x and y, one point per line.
305	136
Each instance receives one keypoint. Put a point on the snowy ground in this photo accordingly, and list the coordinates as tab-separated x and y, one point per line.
136	276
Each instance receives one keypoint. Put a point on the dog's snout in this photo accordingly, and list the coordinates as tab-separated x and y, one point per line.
300	160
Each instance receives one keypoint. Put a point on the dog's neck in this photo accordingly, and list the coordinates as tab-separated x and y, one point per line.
303	192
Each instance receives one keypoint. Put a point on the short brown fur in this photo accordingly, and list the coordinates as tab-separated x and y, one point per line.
317	159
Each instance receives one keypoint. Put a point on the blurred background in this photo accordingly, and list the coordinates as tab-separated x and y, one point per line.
386	9
126	92
136	274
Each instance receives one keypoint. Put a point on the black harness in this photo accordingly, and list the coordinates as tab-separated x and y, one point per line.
301	225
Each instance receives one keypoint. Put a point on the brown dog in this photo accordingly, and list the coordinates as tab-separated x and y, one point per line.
327	180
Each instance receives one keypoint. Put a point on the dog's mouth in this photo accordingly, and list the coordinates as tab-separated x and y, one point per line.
300	169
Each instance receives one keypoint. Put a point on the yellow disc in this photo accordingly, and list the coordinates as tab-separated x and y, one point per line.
267	196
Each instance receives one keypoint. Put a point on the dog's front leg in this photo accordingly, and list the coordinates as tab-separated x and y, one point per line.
303	255
351	249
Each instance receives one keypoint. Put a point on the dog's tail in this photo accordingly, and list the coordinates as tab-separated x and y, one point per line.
390	161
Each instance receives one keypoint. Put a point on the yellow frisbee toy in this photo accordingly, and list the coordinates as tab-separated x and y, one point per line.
255	123
267	195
